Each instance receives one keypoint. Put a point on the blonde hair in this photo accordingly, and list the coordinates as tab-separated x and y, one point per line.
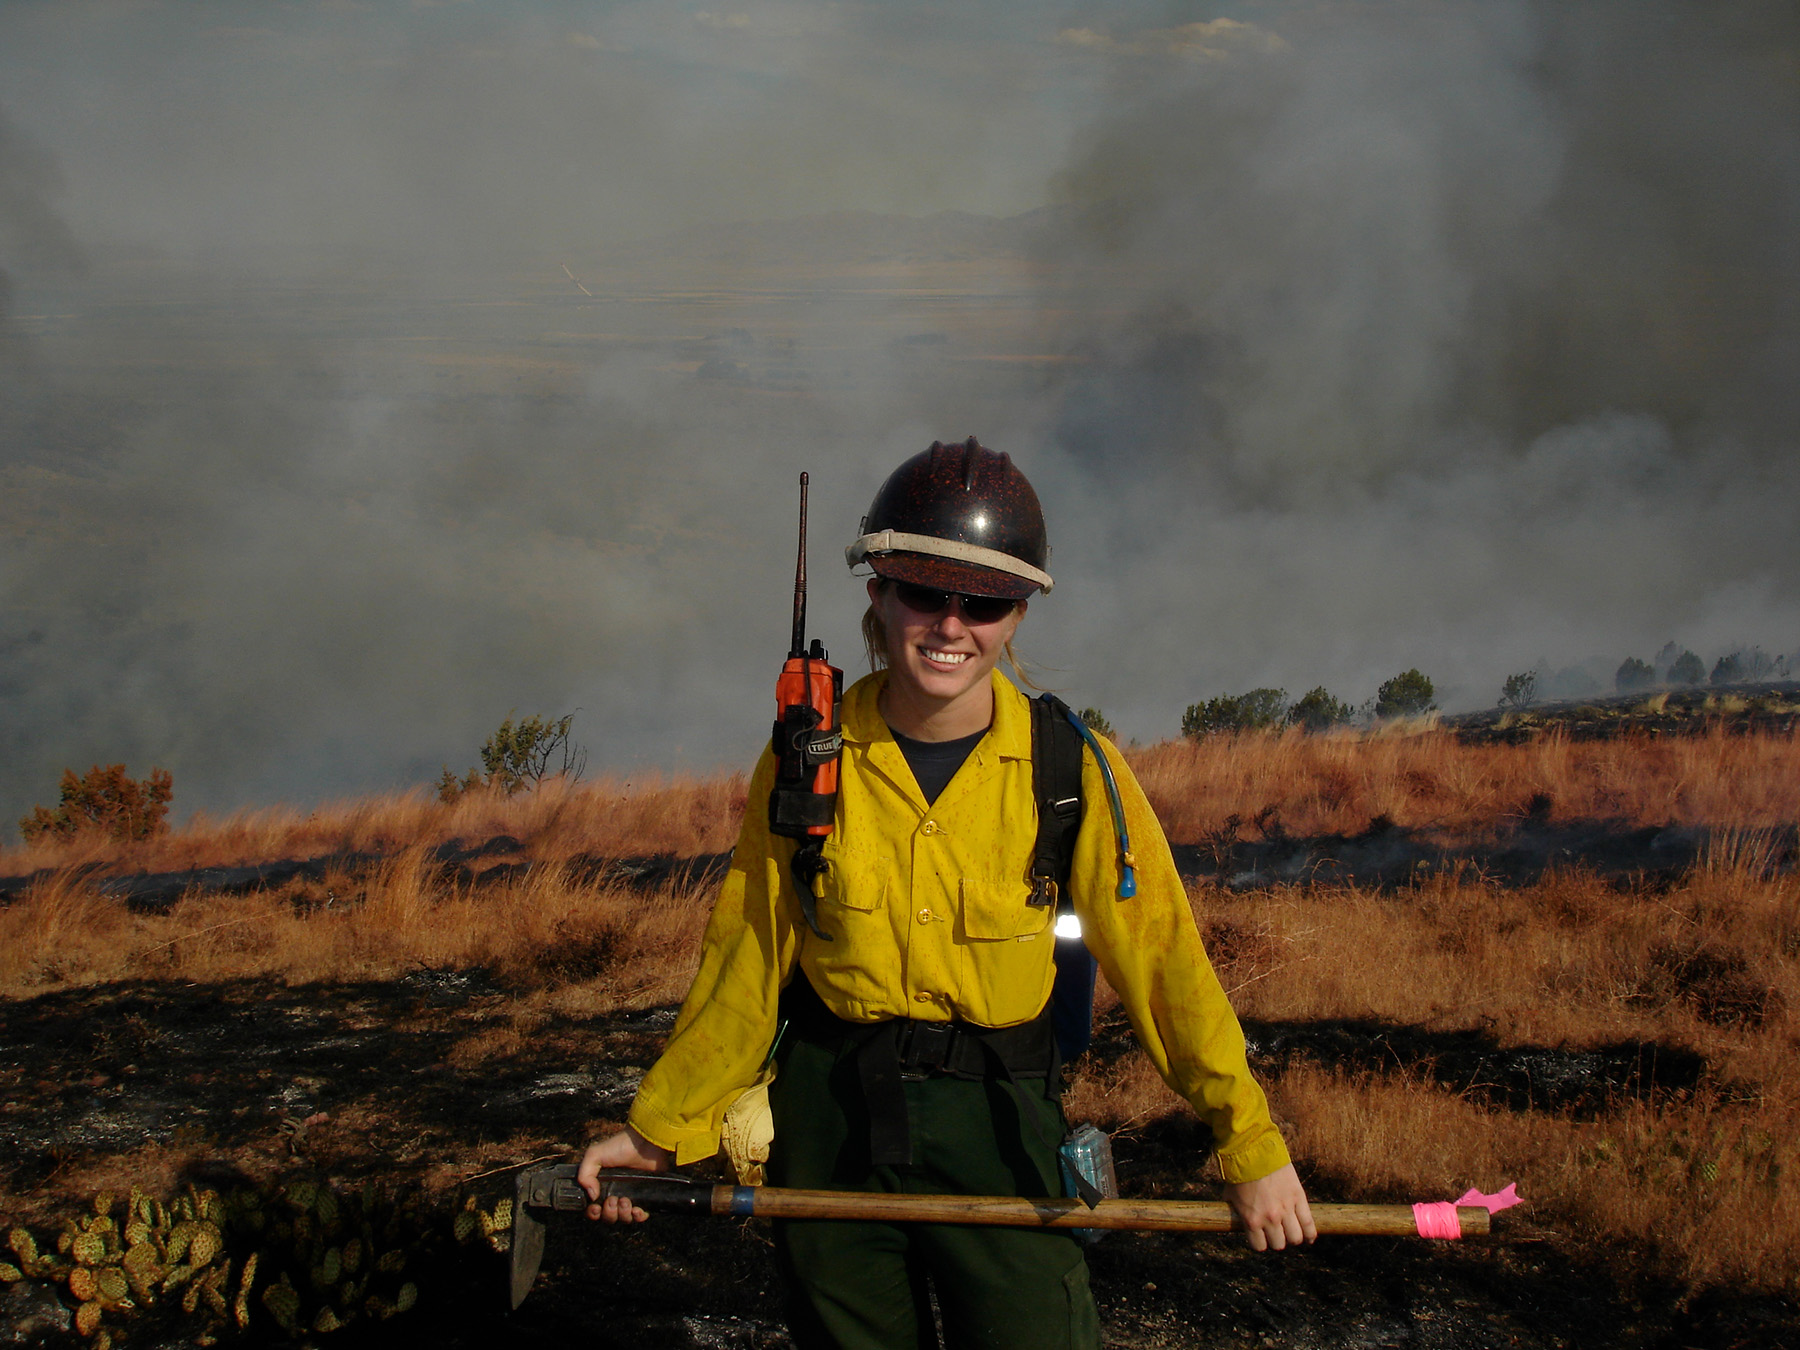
875	644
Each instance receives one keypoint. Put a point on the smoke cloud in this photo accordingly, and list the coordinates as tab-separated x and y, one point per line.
1449	336
1343	339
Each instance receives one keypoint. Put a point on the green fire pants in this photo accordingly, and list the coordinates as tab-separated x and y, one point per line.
863	1286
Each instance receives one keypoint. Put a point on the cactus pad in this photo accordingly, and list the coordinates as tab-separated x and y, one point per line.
465	1225
391	1262
283	1301
89	1249
209	1206
9	1273
179	1238
206	1243
22	1245
408	1295
83	1285
248	1277
87	1318
112	1284
353	1255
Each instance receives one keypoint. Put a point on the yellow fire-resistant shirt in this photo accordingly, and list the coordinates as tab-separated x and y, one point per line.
926	906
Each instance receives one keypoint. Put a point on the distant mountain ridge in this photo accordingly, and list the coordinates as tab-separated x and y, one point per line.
850	237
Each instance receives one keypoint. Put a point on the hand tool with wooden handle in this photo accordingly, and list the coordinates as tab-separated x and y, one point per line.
541	1189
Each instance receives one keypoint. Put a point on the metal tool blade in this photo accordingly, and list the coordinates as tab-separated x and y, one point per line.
554	1188
527	1240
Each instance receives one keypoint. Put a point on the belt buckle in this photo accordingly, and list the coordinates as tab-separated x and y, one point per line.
924	1048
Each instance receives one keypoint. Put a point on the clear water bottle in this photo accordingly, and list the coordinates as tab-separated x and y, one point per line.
1087	1153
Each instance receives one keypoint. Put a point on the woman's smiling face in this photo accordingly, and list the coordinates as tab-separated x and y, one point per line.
939	658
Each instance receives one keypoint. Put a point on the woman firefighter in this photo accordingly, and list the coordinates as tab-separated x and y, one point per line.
917	1052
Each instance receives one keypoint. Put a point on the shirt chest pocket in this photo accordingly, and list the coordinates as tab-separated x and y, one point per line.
994	911
852	881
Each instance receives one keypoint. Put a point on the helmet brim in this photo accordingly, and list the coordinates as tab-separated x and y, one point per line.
947	574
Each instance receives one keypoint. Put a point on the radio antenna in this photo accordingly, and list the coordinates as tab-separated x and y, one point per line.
799	647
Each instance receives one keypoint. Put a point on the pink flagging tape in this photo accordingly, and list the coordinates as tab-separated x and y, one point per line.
1437	1218
1493	1204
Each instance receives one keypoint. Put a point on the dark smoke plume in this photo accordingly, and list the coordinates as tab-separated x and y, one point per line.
1371	336
1444	335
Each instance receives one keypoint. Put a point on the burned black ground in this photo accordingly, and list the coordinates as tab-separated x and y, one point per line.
376	1080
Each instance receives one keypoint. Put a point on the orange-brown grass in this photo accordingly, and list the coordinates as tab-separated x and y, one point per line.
1706	1180
1710	964
592	946
557	821
1337	783
1320	784
1708	1188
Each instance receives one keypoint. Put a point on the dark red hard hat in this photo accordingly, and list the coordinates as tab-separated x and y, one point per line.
958	518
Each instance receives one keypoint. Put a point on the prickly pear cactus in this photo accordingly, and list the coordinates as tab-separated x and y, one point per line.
494	1225
295	1256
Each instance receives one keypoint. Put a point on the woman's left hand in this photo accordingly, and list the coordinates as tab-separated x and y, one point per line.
1273	1210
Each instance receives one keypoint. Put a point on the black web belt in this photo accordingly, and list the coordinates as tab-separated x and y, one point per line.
903	1049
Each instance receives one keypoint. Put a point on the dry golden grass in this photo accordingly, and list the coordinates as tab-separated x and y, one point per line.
560	820
1705	1179
1320	784
1710	964
540	931
1709	1188
1337	783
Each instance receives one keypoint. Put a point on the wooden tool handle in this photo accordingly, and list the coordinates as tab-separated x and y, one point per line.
1188	1216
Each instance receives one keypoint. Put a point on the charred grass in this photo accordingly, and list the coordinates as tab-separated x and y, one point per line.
1621	1047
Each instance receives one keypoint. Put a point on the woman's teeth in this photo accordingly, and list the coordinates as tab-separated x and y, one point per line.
944	658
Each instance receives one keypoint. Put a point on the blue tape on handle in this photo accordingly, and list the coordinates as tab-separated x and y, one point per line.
743	1201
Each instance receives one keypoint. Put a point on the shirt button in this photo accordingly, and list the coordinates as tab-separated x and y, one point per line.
921	998
931	827
924	916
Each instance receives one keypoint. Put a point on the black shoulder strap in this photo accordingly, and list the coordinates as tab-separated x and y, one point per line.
1056	781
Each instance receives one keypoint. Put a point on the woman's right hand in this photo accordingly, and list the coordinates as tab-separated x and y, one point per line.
627	1148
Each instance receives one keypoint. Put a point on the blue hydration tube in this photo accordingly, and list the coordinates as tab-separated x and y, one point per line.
1127	864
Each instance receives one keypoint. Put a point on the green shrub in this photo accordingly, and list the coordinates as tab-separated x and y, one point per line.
518	757
1745	666
1408	694
1257	710
104	801
1319	710
1097	723
1633	674
1519	691
1686	669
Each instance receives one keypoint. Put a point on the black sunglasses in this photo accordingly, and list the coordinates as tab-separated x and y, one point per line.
980	609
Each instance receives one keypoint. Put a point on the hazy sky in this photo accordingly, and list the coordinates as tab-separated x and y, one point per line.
1359	336
475	125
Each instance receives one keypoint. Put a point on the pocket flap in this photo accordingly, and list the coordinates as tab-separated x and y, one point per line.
993	910
849	881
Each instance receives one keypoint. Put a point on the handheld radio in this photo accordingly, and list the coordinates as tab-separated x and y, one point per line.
807	742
